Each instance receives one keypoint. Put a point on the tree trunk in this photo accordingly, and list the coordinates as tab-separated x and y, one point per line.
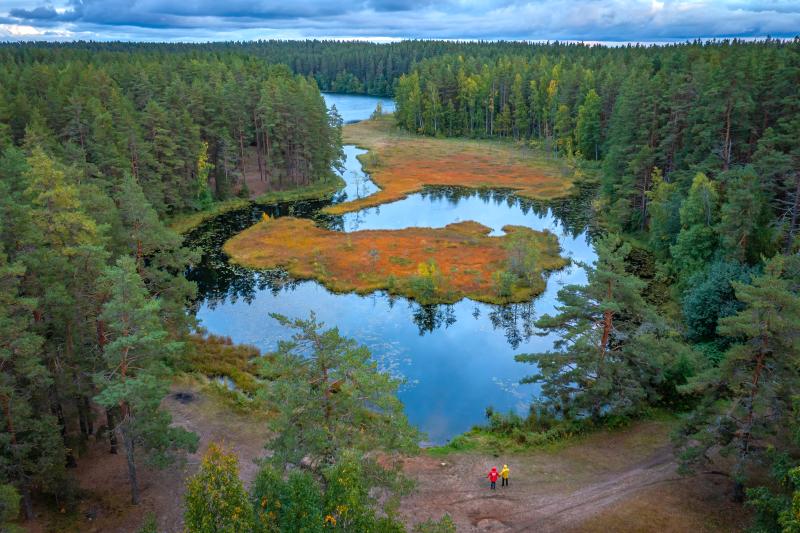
795	215
27	505
112	431
27	502
87	409
81	416
62	424
726	149
127	440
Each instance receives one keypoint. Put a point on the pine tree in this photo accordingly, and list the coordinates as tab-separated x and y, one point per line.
611	348
665	222
332	398
32	449
134	369
748	398
744	226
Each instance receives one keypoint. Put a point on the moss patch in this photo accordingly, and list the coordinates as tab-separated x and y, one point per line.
430	265
401	164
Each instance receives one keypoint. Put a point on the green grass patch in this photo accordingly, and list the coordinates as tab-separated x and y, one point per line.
185	223
512	434
319	190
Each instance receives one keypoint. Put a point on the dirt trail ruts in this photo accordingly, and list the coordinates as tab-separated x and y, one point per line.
561	512
508	509
627	481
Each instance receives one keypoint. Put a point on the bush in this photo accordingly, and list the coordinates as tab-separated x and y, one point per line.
710	297
215	497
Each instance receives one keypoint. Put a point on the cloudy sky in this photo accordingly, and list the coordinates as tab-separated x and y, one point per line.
584	20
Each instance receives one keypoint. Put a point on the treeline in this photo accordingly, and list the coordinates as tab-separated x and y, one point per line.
337	66
182	126
94	152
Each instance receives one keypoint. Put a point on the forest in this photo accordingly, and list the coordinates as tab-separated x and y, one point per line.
692	152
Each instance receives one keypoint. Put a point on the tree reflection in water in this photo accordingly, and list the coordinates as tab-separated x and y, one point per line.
219	281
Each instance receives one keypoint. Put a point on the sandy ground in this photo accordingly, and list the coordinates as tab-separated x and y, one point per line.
612	481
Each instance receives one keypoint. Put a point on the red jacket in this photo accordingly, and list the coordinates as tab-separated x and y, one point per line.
493	475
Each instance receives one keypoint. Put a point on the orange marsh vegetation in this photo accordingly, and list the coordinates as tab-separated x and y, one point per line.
401	164
430	265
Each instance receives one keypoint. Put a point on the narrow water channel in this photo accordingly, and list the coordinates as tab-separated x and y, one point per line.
456	359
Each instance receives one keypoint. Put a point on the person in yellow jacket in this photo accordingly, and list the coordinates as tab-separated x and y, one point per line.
504	476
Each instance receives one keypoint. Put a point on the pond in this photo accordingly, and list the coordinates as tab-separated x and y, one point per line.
456	359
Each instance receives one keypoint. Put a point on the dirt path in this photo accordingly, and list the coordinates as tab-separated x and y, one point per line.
612	481
588	486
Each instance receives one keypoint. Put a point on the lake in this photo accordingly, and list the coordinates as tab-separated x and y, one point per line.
455	359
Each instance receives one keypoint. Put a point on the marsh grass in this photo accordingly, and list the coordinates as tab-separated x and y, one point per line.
401	163
439	265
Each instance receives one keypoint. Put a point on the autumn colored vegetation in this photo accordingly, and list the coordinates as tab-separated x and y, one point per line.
402	164
431	265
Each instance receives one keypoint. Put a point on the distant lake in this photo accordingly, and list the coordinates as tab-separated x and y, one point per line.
456	359
357	107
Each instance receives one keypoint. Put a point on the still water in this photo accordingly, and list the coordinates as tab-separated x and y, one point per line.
455	359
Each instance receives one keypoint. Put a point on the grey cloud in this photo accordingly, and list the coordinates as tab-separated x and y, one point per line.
607	20
39	13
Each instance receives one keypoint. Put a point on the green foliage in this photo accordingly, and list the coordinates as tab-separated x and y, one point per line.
331	397
504	283
443	525
710	297
665	223
745	219
427	283
748	398
340	500
134	370
216	501
150	524
588	127
9	505
698	239
612	351
31	450
523	258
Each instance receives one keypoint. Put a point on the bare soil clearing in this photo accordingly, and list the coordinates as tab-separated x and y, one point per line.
401	164
610	481
450	263
622	480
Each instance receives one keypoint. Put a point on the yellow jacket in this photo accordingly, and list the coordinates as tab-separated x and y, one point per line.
504	472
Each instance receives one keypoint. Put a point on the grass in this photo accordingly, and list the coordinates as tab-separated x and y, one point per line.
429	265
318	190
401	164
483	439
215	356
185	223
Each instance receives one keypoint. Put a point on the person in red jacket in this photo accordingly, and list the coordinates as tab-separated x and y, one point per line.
493	477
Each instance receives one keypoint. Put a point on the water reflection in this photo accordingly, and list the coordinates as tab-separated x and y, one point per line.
456	359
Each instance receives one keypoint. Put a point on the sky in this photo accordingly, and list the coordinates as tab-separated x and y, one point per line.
604	21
